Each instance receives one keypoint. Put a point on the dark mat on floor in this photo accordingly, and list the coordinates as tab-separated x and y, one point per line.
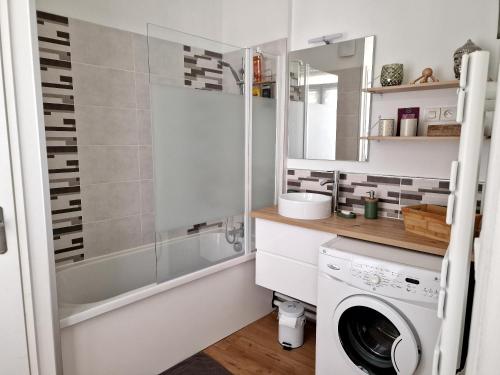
198	364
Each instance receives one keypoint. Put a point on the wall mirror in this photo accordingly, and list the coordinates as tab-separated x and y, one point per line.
329	109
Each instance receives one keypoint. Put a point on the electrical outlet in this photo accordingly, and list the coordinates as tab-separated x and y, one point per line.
448	114
432	114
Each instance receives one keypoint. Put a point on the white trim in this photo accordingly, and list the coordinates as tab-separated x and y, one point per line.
29	164
248	69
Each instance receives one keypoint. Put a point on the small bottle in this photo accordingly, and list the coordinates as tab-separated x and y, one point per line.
257	66
371	206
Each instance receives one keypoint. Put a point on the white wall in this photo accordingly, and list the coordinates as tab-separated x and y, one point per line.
252	22
200	17
417	34
239	22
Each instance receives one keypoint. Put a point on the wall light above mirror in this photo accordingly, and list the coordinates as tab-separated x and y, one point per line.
329	108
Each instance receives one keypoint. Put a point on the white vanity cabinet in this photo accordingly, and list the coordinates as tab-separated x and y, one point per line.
287	258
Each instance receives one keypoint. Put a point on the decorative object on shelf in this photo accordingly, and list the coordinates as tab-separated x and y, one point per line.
406	113
386	127
429	220
408	127
371	205
444	130
391	75
468	47
427	74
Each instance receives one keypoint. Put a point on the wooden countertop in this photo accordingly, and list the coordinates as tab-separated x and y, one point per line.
385	231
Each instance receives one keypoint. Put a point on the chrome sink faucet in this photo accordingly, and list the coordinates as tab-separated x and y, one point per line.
335	188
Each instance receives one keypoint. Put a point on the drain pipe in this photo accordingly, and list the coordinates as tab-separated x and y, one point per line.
309	310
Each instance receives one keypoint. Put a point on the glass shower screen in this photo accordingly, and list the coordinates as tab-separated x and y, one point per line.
198	130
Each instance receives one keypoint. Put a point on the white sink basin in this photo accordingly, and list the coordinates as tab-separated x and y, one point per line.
307	206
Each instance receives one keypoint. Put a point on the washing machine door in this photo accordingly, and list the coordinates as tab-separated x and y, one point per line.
374	337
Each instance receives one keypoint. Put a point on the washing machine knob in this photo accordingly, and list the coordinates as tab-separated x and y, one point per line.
374	279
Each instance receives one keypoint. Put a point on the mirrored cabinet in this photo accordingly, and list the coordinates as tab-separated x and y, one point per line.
329	106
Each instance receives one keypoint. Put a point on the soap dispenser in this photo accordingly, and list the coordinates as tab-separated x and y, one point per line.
371	206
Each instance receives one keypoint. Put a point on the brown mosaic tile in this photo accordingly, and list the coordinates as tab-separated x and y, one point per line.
60	132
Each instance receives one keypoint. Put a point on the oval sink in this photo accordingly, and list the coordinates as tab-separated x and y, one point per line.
307	206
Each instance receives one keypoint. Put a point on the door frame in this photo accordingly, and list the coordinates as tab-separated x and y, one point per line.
23	103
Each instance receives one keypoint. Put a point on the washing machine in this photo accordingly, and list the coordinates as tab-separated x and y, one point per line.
376	310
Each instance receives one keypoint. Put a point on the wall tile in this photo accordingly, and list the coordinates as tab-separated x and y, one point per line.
140	47
394	192
101	45
54	42
166	58
144	125
106	126
103	86
148	228
106	237
142	91
147	196
110	201
100	164
301	180
353	188
146	160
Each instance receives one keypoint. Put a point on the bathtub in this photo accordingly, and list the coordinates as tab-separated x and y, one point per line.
193	290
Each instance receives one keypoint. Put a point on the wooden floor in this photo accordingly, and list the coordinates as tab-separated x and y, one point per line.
255	350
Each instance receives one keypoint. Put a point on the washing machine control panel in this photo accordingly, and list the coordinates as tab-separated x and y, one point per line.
382	277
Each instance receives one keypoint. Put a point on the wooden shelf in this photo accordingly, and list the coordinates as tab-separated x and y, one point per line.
421	138
416	87
264	83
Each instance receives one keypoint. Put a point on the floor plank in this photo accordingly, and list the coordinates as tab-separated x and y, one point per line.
255	350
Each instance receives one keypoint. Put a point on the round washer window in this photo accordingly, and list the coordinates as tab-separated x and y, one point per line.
367	337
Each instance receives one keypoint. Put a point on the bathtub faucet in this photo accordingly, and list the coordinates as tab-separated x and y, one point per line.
234	234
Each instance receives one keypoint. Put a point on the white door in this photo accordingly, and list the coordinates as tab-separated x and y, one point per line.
13	339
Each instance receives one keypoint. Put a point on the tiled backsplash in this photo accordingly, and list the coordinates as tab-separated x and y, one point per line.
393	192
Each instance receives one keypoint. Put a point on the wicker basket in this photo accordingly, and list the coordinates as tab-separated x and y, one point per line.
430	221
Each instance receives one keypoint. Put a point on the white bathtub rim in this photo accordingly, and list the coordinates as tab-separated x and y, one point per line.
107	305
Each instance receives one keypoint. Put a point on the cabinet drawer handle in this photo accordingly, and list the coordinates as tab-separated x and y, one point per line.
333	267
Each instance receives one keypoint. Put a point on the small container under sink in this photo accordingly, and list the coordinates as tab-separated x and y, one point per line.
306	206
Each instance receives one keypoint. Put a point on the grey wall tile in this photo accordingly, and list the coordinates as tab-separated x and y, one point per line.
106	126
147	196
347	148
142	91
347	126
140	48
110	201
108	164
103	86
348	103
101	45
104	237
144	124
148	228
146	160
166	58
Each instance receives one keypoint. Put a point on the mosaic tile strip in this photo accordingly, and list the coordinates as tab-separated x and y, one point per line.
354	187
393	192
301	180
60	131
202	69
